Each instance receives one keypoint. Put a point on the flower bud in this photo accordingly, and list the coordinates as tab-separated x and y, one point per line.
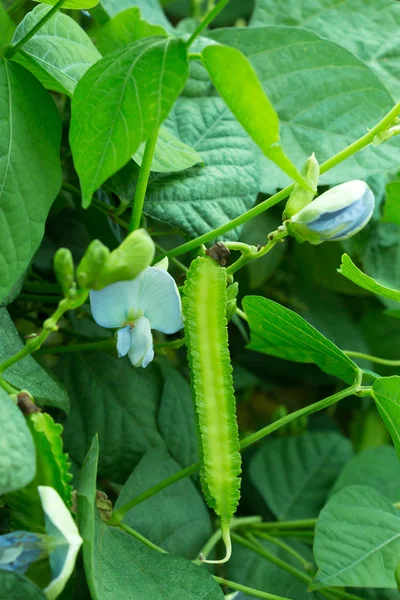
64	268
300	197
337	214
128	260
92	264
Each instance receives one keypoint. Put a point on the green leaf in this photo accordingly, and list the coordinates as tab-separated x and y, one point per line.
17	458
150	9
121	102
74	4
118	566
278	331
52	469
30	172
7	27
315	458
170	155
176	518
202	198
349	270
391	209
378	468
17	587
386	393
251	106
370	34
290	64
59	53
357	540
176	417
123	29
27	373
118	402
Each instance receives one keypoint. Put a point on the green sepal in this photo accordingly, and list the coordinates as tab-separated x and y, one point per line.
92	264
52	469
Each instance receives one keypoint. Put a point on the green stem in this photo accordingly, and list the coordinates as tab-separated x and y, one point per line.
11	50
107	344
277	542
206	21
245	443
359	144
33	344
174	344
142	182
108	211
278	525
248	590
10	389
375	359
139	537
242	314
175	261
249	255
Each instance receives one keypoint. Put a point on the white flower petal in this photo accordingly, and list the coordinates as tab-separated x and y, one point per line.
111	305
159	300
123	341
66	539
141	351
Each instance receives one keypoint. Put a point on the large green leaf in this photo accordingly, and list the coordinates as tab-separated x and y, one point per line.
378	468
349	270
368	29
118	566
386	393
150	9
357	540
176	518
7	27
118	402
123	29
315	458
27	373
14	586
30	172
176	417
59	53
74	4
120	102
17	456
278	331
202	198
325	98
170	154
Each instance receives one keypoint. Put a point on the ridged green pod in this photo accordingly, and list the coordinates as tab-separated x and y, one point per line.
204	311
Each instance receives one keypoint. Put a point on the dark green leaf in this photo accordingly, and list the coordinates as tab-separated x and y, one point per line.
202	198
150	9
278	331
386	393
7	27
349	270
27	373
357	540
17	458
115	108
176	518
59	53
316	459
14	586
115	400
30	172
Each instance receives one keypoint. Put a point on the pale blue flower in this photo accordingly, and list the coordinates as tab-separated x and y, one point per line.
336	215
19	549
150	301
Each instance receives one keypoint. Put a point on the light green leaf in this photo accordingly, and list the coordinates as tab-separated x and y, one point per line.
170	155
150	10
250	105
17	587
316	459
27	373
391	209
378	468
349	270
123	29
118	566
30	172
357	540
325	98
370	33
120	102
59	53
278	331
73	4
119	403
17	456
386	393
7	27
176	518
176	417
202	198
